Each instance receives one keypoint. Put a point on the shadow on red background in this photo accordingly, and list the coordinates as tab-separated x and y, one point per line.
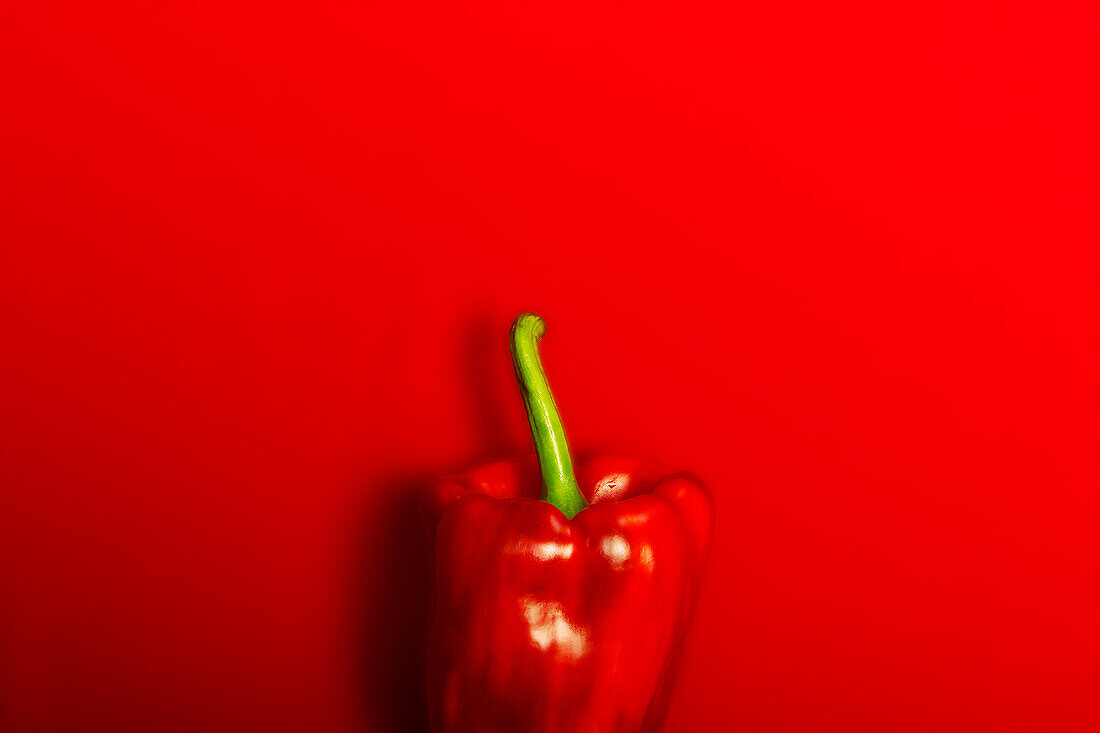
393	644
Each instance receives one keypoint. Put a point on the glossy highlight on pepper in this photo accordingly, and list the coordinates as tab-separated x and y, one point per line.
562	596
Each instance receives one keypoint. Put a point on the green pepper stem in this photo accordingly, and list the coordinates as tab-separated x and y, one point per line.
559	485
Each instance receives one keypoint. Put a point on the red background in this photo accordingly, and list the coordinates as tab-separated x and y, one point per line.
259	263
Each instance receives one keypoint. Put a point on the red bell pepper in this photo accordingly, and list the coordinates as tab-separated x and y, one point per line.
561	605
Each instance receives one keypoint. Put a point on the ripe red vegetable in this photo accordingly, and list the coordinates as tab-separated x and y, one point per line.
561	605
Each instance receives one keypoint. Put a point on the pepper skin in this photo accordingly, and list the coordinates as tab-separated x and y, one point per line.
549	623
